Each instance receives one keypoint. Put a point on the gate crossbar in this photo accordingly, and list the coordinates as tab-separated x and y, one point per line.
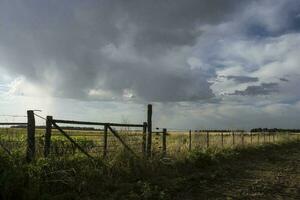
96	123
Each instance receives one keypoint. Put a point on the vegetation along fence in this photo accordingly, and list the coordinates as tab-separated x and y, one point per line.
56	137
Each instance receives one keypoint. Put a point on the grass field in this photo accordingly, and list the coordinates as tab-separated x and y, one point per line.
270	171
177	143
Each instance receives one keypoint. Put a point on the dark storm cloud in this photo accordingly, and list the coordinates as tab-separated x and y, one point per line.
109	45
262	89
284	79
242	79
274	18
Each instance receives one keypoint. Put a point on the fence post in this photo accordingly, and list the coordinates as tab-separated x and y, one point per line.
264	137
242	138
149	123
48	135
258	134
105	141
207	139
190	140
144	139
233	141
164	142
222	139
30	153
251	137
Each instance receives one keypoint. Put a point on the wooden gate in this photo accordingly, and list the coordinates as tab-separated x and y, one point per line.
107	128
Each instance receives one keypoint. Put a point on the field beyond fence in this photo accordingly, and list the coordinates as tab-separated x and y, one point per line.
57	137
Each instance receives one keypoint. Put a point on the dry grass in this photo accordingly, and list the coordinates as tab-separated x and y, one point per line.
177	143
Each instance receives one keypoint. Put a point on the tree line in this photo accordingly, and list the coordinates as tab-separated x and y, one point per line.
275	130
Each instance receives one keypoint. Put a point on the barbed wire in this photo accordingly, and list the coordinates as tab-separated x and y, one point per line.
12	116
196	130
173	129
40	116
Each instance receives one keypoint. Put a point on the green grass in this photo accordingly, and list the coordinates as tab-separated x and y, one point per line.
240	173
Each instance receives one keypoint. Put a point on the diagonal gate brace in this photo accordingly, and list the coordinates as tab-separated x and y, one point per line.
71	140
120	139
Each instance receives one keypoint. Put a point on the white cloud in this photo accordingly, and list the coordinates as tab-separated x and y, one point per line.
21	87
268	60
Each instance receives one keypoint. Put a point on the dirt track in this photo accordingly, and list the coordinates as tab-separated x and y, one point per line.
270	174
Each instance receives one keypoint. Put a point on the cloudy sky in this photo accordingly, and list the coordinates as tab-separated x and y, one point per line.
202	63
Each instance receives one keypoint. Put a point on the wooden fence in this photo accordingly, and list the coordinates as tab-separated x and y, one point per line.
162	142
171	143
107	126
30	124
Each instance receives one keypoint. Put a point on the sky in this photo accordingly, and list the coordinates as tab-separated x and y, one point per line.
203	64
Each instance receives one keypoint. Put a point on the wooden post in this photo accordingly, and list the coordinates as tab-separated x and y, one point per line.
30	153
273	136
149	123
251	137
48	135
190	140
242	138
258	134
222	139
105	141
233	139
207	139
144	138
164	142
264	137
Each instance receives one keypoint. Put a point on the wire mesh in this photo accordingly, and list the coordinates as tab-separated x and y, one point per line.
181	142
13	137
91	140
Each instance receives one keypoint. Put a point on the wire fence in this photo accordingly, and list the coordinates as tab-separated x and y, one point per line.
181	142
92	140
39	137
